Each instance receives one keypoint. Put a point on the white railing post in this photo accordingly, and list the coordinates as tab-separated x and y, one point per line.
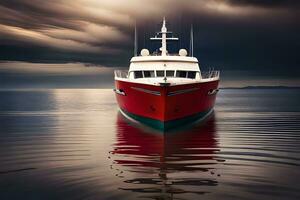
121	74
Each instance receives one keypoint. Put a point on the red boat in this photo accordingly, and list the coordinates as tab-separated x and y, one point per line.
164	90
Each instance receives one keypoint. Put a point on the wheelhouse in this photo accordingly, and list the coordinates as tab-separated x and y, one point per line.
165	73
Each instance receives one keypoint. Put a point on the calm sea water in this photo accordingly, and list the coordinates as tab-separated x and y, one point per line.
74	144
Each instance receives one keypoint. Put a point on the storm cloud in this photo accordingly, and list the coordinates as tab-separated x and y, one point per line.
228	33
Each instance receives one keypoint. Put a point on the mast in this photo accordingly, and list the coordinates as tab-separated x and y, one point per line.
163	38
135	40
192	41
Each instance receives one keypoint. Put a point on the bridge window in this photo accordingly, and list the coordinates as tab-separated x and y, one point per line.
181	74
191	74
138	74
149	74
160	73
170	73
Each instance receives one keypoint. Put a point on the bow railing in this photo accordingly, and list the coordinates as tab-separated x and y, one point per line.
210	74
121	73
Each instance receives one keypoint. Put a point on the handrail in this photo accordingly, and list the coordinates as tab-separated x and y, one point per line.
210	74
121	73
204	75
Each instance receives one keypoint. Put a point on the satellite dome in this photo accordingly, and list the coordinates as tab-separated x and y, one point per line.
182	52
145	52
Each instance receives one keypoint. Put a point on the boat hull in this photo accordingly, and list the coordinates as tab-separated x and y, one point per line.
164	106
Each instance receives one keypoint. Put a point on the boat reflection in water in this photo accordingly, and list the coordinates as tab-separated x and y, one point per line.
178	164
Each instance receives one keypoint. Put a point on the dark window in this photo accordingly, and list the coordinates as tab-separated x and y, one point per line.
170	73
148	74
191	74
181	74
138	74
160	73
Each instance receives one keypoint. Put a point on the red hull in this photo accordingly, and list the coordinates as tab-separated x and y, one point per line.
166	103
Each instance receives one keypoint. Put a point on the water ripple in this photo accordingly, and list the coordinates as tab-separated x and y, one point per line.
73	144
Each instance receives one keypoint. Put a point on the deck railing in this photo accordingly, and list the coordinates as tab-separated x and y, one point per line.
121	73
204	75
210	74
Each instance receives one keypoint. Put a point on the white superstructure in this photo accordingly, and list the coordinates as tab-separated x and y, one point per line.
165	68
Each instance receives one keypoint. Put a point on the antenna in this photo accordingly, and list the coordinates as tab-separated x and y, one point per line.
192	41
163	38
135	40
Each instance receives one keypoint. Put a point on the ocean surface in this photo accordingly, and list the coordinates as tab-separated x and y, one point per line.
74	144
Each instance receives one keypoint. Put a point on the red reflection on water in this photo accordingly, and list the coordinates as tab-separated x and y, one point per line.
146	159
193	144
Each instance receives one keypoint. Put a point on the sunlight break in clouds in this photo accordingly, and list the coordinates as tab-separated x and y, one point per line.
42	39
90	33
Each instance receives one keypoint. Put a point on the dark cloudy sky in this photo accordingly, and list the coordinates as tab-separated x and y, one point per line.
240	36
